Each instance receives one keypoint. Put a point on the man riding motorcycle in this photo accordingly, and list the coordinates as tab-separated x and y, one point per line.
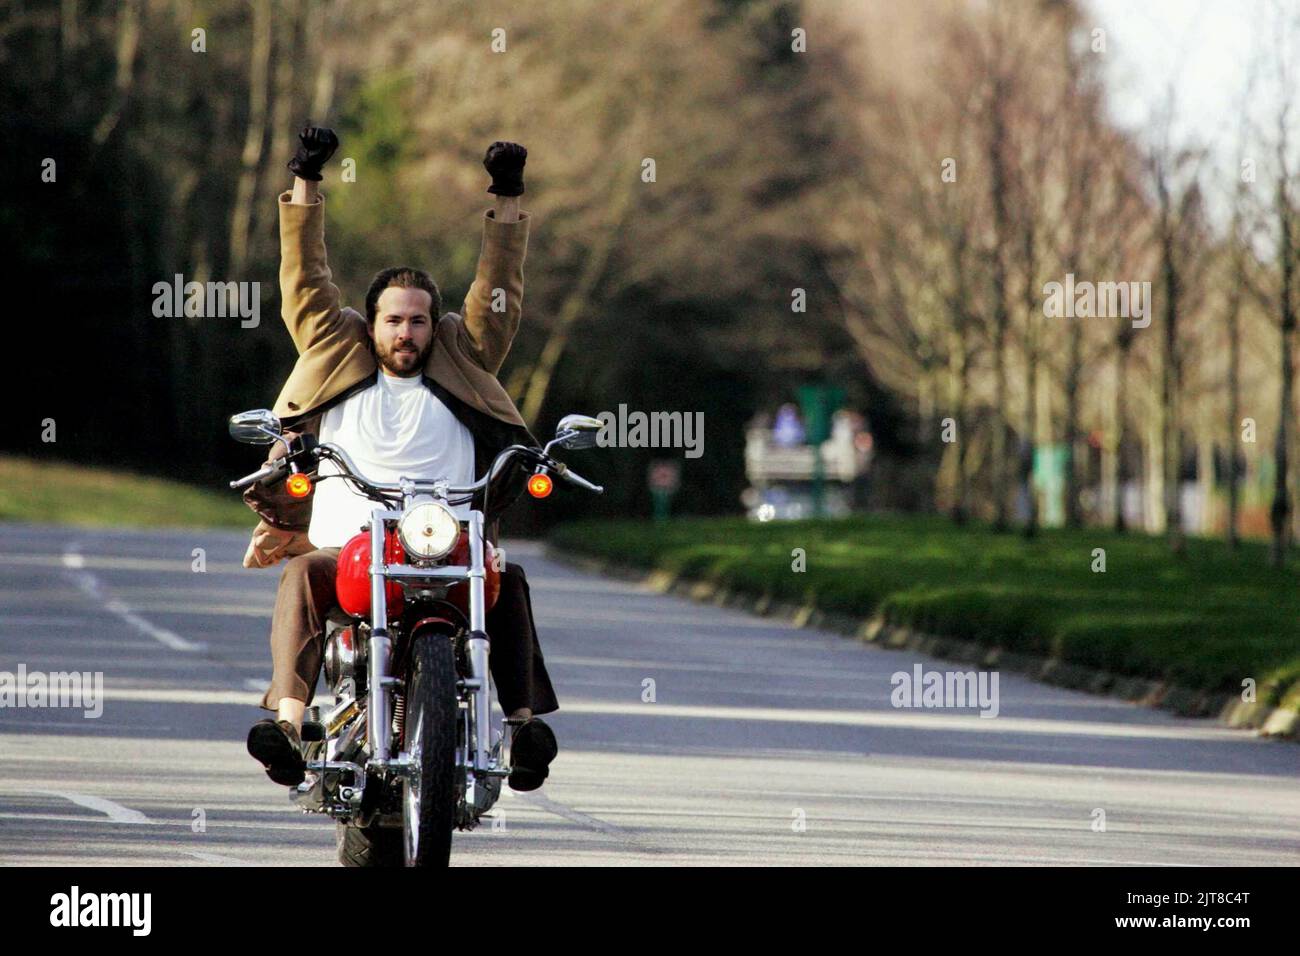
404	392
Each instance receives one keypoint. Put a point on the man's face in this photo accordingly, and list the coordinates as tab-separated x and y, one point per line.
403	330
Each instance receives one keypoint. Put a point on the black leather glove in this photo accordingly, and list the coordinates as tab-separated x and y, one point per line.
505	163
318	145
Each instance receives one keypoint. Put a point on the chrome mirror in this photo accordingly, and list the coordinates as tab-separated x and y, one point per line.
578	431
257	427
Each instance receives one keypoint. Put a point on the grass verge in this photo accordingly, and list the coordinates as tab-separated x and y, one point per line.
1206	621
60	493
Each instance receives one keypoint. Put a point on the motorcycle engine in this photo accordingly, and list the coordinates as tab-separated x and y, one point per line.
345	655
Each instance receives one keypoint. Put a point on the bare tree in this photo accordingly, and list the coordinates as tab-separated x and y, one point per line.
997	146
1285	212
1174	175
254	136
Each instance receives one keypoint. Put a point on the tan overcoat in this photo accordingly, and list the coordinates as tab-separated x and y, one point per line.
335	354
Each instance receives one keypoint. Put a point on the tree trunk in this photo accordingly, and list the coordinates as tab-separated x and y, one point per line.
1205	476
998	441
68	32
1234	414
1170	381
1073	374
960	380
1030	436
1119	522
254	136
1281	509
128	45
925	403
557	339
997	146
1154	510
288	59
322	97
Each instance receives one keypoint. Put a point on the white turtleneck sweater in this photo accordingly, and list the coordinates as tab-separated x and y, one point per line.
396	428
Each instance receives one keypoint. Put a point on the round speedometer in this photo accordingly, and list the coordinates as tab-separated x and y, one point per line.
428	530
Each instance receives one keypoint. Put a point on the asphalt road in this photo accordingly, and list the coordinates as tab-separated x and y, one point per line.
764	744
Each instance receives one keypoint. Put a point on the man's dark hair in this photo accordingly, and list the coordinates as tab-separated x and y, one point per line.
402	277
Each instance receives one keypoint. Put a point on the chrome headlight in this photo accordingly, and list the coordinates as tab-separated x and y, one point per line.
428	530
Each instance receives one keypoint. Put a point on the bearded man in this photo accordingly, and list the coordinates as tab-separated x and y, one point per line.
405	390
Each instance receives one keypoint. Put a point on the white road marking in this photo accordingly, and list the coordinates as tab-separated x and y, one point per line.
738	669
913	720
160	634
542	802
206	610
219	860
167	695
39	620
910	719
660	619
179	566
51	818
257	684
92	587
114	811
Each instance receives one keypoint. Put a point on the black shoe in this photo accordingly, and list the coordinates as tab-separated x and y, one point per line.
532	748
277	745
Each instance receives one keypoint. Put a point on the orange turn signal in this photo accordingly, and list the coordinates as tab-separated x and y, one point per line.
539	486
298	485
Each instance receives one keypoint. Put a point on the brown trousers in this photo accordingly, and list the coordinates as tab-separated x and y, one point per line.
306	596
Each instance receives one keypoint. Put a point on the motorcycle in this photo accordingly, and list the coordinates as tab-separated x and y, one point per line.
407	753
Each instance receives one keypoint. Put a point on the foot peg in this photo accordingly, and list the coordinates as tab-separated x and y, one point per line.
313	728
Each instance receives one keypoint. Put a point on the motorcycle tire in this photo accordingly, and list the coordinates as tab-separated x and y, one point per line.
429	798
369	846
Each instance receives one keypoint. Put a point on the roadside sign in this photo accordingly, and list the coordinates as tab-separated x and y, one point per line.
818	403
664	478
664	475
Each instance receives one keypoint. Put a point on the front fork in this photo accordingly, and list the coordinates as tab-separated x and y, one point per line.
380	682
378	723
478	644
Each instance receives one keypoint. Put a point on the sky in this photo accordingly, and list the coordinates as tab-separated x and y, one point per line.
1207	49
1204	46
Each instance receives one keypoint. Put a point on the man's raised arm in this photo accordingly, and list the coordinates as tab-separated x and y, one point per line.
305	192
506	209
309	299
501	261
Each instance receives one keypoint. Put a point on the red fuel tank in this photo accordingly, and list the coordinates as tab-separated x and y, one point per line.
458	594
352	581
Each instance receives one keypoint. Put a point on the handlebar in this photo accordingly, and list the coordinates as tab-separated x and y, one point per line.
573	478
271	473
385	491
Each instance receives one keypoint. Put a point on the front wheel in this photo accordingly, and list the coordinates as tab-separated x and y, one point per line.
429	804
369	846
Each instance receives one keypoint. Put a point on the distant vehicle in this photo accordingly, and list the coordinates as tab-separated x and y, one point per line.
786	479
